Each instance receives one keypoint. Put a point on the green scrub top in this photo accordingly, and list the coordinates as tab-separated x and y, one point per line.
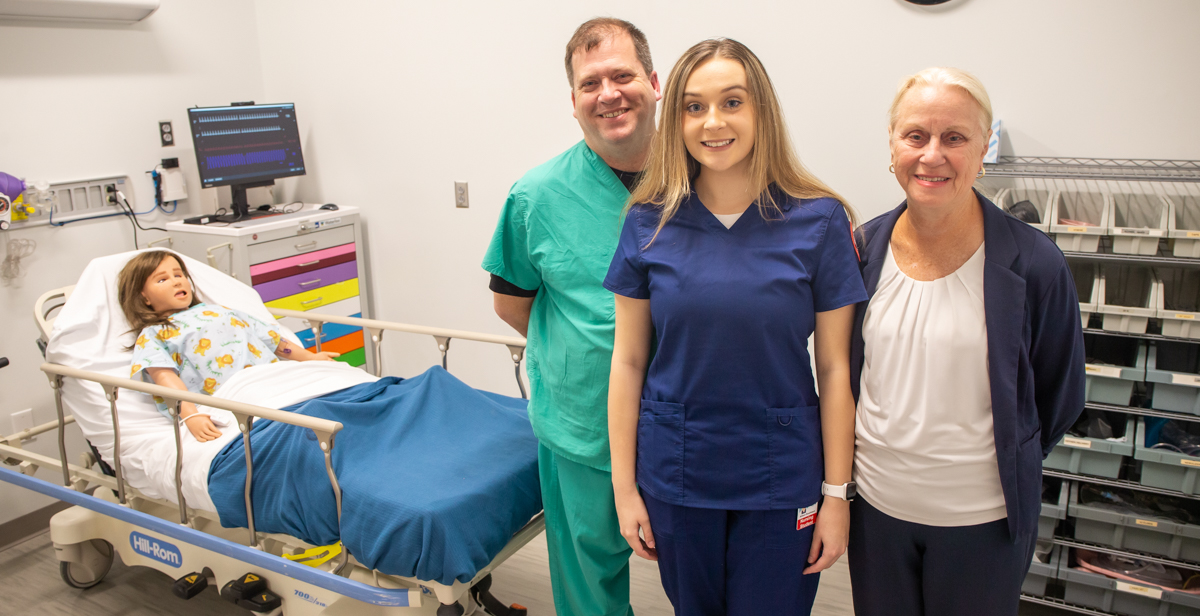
557	233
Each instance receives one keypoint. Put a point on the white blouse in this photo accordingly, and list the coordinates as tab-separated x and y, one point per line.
925	448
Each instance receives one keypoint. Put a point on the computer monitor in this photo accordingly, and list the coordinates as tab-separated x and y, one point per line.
244	146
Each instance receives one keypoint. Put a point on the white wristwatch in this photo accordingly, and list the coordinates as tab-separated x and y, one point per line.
847	491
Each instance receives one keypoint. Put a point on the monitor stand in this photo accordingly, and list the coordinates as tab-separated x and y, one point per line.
241	206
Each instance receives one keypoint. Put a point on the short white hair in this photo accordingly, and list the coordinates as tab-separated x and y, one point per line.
944	76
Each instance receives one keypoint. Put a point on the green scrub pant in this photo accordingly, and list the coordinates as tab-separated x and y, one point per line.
589	560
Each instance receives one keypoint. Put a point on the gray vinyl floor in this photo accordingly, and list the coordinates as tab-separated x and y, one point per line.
30	585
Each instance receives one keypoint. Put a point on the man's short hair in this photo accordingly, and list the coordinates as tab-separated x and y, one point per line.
595	31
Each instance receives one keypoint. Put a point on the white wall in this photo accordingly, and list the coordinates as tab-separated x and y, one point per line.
403	99
81	102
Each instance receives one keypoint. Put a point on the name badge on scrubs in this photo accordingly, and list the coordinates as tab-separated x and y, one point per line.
806	517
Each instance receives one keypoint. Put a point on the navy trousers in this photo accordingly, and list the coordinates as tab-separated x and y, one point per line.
899	568
716	562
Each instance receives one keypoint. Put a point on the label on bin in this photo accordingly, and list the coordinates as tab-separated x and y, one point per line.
1108	371
1082	443
1177	316
1128	231
1186	379
1187	462
1150	523
1077	229
1193	233
1138	589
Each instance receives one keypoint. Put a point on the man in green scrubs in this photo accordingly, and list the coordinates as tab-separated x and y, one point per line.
548	258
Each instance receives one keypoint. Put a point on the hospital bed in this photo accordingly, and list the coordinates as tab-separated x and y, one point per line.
150	528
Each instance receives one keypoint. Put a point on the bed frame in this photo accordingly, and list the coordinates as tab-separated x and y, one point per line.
111	516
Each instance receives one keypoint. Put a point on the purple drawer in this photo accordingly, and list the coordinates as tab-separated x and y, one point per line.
276	289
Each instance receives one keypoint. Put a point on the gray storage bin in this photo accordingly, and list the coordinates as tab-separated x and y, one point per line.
1113	366
1174	369
1179	301
1040	573
1041	200
1184	229
1138	221
1128	531
1086	215
1166	469
1053	512
1087	287
1092	456
1103	593
1128	297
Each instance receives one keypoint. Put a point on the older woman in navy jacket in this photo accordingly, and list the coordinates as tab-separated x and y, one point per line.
968	365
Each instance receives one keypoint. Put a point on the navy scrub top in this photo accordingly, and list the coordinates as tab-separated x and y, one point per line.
729	416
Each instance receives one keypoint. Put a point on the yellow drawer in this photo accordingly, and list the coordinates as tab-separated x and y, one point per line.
318	297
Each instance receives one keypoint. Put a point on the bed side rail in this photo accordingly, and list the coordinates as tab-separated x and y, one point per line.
359	591
515	344
245	414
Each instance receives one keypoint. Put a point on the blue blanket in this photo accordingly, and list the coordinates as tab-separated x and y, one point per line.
436	476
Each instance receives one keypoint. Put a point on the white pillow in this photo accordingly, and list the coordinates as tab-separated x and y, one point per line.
91	333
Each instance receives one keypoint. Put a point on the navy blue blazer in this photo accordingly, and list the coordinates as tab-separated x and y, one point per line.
1035	347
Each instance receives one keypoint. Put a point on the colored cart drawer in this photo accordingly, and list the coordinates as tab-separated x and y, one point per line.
349	307
300	244
311	300
355	358
300	264
292	285
344	344
329	331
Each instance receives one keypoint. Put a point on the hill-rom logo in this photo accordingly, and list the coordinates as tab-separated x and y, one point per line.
155	548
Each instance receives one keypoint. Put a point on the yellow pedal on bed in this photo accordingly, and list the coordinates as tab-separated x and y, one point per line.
317	556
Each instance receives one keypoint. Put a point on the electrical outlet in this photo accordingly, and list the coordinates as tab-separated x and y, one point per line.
22	420
460	195
166	134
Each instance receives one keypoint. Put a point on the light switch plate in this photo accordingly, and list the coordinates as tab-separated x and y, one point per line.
22	420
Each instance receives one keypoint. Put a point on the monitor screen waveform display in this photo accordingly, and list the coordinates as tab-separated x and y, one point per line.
246	145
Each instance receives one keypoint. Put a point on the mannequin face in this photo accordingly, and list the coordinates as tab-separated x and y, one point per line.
168	289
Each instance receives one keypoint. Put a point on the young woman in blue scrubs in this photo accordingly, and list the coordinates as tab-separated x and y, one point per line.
729	259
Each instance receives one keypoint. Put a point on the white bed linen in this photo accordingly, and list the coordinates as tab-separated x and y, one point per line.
90	333
272	386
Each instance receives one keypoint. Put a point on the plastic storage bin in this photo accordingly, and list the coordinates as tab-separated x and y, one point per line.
1054	511
1080	218
1042	571
1087	287
1166	469
1092	456
1128	297
1041	200
1137	223
1113	366
1174	369
1179	301
1130	531
1103	593
1184	228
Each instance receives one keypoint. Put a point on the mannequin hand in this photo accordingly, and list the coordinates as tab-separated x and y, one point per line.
203	428
632	515
325	356
831	535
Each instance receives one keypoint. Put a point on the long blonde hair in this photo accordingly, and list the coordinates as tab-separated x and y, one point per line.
670	171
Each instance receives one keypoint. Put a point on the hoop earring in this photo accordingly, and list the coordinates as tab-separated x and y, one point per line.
892	168
982	172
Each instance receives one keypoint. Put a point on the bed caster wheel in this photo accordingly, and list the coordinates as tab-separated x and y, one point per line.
89	562
482	593
454	609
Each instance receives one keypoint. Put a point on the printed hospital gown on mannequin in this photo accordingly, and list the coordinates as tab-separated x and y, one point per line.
206	345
